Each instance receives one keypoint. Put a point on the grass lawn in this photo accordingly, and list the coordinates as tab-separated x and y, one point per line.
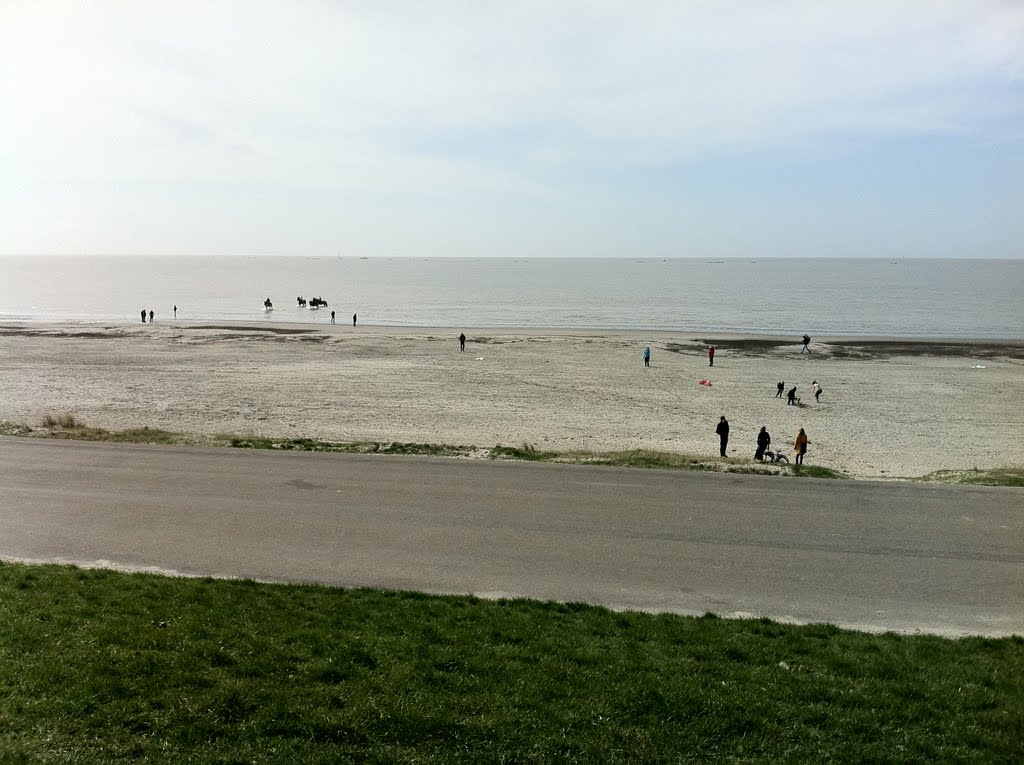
97	666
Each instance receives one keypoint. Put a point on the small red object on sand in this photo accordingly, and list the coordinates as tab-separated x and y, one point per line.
705	382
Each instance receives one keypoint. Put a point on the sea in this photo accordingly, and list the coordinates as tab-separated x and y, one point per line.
913	298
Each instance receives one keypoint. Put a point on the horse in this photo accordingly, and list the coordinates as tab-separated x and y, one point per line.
301	302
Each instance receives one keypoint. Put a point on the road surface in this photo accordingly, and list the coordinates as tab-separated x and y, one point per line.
867	555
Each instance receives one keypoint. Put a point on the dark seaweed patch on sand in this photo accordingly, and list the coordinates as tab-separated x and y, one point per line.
272	330
880	349
87	334
864	349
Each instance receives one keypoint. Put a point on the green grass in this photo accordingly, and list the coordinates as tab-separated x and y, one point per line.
97	666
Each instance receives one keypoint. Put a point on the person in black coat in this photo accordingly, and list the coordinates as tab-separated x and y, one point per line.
763	441
723	434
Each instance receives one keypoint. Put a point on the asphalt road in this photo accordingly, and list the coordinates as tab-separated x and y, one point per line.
871	555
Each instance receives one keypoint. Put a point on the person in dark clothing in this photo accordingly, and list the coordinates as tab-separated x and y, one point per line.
781	388
791	396
723	434
175	312
711	356
332	317
143	315
807	344
353	320
150	317
763	441
462	342
647	356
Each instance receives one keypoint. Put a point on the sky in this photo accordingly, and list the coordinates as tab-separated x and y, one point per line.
688	128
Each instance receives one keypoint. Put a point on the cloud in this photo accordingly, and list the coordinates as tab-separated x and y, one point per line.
654	80
516	100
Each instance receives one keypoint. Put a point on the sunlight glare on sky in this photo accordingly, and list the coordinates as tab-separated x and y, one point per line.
523	129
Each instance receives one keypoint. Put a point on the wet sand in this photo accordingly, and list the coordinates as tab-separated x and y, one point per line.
890	408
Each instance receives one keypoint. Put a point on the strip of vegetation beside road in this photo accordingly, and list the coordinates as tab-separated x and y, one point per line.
98	666
67	426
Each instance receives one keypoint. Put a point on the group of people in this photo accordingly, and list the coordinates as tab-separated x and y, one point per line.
153	315
791	398
354	318
764	440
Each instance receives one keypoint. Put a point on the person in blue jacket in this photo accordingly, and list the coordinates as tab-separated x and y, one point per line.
647	356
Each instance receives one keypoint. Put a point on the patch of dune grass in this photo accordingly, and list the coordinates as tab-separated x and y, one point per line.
79	431
646	458
98	667
64	420
1008	476
68	426
14	429
526	452
351	447
637	458
815	471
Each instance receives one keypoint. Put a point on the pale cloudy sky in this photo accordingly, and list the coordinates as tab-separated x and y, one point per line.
484	128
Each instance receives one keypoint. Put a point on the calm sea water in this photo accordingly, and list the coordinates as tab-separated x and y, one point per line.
922	298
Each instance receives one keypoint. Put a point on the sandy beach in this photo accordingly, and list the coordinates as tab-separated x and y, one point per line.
890	408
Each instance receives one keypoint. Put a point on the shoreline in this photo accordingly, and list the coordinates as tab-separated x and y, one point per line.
892	407
691	336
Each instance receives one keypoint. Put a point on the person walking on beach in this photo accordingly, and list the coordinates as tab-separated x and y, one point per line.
711	356
143	315
175	312
647	356
332	317
791	396
800	447
462	342
817	390
353	320
781	389
763	441
723	434
807	344
150	317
